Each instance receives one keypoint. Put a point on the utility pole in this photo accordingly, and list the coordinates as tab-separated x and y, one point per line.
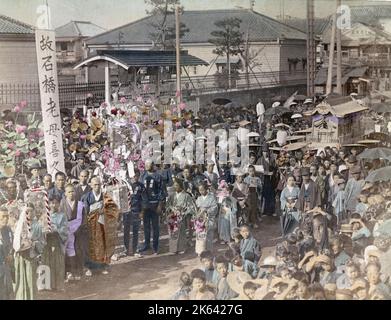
329	86
339	54
178	59
246	60
311	49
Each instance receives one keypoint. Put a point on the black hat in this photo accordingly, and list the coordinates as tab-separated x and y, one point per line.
80	156
35	165
305	171
352	159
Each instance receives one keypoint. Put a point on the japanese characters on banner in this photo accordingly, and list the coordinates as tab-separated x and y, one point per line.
48	85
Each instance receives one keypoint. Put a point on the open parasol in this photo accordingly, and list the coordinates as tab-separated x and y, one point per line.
221	101
381	107
375	153
382	174
276	111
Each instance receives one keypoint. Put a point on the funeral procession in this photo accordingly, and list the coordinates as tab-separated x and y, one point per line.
195	150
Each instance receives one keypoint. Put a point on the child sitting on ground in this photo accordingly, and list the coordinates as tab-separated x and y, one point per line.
200	289
185	289
249	244
211	275
235	245
224	291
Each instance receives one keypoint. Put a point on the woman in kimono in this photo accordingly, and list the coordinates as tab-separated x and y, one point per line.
6	290
180	206
290	216
240	193
29	243
207	203
227	218
54	252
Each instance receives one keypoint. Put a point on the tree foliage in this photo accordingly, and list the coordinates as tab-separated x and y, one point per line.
228	39
164	35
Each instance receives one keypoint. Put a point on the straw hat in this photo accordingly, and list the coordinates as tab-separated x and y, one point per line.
237	279
346	228
269	262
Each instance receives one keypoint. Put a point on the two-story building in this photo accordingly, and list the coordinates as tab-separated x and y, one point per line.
278	51
70	50
18	58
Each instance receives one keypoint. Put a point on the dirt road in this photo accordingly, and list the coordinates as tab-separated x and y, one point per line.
151	277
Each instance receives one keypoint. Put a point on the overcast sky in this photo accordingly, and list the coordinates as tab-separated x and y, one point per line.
113	13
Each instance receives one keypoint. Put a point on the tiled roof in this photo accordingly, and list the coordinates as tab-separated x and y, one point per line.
320	24
201	24
139	58
75	29
11	26
347	73
370	14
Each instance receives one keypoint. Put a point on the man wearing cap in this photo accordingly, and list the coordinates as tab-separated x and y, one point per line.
80	166
35	177
268	194
353	189
351	163
309	196
155	195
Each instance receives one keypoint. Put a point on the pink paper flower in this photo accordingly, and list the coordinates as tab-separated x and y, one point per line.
11	146
23	104
178	124
139	99
160	122
174	110
83	137
122	100
20	129
182	106
8	124
32	154
178	94
17	109
17	153
40	134
89	95
188	122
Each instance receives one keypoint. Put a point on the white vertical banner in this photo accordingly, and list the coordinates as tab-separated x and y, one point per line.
50	102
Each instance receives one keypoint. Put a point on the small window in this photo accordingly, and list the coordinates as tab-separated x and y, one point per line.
195	70
63	46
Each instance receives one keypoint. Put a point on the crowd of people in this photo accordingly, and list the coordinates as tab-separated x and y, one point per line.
335	234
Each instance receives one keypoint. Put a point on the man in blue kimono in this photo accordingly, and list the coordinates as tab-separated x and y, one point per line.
155	196
58	190
353	189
